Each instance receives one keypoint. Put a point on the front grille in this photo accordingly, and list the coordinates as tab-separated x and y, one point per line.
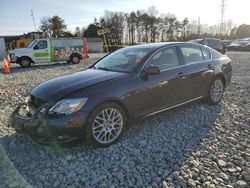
36	102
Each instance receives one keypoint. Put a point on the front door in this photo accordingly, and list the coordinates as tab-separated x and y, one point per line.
157	92
41	51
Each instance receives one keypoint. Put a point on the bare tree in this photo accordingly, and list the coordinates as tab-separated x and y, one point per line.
45	27
171	28
114	21
184	23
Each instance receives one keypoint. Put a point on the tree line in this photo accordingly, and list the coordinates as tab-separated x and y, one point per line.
144	26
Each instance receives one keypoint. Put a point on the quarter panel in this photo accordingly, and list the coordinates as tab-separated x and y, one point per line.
223	68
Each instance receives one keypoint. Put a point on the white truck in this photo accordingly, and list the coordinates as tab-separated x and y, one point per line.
49	50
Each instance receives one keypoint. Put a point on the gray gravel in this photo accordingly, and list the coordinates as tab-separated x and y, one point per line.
192	146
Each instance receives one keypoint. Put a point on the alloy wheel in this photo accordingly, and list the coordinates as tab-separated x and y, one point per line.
107	125
216	90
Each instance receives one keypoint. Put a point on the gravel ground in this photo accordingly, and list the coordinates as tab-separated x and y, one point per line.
192	146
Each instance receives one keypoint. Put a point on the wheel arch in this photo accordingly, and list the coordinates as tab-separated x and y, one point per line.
123	106
221	76
116	101
22	57
75	53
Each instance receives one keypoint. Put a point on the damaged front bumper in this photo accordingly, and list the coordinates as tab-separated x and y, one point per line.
47	128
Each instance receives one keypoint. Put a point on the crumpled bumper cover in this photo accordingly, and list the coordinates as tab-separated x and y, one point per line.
46	129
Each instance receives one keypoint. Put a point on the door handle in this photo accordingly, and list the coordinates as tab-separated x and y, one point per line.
210	66
180	75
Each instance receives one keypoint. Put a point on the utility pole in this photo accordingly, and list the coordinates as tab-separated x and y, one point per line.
222	19
199	26
32	15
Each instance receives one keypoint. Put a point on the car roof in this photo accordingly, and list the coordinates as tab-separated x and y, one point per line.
204	39
157	45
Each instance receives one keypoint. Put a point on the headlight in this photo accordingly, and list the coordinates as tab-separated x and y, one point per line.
27	99
68	106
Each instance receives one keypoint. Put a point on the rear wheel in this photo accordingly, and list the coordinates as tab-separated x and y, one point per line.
75	58
24	62
105	124
216	91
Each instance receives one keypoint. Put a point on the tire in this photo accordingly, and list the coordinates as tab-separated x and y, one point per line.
216	91
105	125
75	58
24	62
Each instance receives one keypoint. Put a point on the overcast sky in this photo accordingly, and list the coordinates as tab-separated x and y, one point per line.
15	15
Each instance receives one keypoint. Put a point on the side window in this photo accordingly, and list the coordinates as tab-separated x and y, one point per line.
41	45
165	59
206	53
191	54
214	44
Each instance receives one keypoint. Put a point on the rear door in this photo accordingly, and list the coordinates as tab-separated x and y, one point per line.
198	70
41	51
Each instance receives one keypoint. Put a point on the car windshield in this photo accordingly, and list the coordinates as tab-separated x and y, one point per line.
32	44
123	60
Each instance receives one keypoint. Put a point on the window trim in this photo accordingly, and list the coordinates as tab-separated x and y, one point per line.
180	56
205	60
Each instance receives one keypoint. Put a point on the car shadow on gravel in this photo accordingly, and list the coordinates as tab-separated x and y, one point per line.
147	153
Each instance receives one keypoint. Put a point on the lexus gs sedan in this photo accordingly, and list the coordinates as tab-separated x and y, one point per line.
130	83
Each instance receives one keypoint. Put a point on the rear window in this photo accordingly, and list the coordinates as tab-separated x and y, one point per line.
192	54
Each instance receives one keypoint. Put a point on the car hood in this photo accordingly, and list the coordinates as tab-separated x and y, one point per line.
60	87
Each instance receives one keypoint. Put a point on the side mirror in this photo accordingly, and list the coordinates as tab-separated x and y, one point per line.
152	70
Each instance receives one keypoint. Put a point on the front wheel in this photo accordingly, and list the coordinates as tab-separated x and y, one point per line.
216	91
24	62
105	124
